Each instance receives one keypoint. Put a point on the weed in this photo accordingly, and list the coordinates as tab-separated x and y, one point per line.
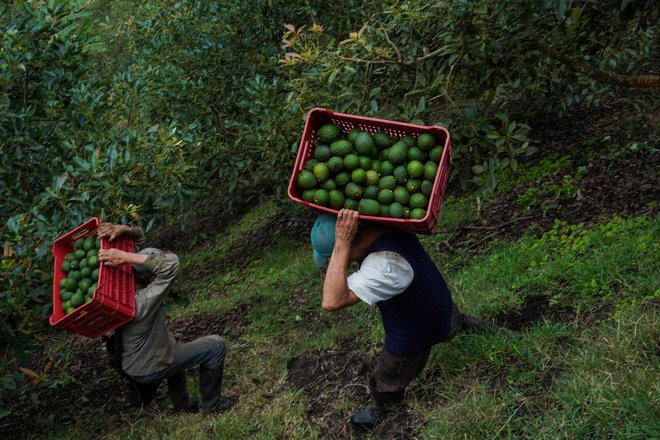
533	172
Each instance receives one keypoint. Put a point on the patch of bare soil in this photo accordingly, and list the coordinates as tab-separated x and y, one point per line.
537	308
229	324
285	221
92	387
555	133
626	186
330	377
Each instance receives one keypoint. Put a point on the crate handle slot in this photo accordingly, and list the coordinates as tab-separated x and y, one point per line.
79	235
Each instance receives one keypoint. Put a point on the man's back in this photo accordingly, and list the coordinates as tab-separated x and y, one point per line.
420	316
147	345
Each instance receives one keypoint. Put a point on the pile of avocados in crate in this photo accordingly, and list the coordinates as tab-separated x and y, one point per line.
374	174
82	273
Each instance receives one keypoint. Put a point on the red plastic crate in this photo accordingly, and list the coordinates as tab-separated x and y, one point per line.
318	117
113	302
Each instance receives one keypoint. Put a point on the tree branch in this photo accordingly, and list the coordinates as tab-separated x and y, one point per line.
429	55
646	81
398	54
360	60
405	63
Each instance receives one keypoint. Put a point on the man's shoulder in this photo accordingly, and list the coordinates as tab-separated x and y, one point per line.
385	258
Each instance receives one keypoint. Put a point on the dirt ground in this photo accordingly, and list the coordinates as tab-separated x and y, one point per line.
330	376
610	186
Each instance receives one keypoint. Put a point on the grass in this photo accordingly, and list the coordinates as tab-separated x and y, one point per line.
617	261
553	383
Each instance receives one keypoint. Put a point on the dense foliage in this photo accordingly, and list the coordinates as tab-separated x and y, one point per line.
157	106
66	154
452	63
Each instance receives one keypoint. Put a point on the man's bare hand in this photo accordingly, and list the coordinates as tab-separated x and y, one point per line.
346	226
113	257
111	231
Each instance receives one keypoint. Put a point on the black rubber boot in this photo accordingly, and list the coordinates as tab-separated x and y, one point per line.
177	389
369	417
373	414
210	384
478	325
141	394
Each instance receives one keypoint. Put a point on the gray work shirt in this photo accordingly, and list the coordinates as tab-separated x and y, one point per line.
147	345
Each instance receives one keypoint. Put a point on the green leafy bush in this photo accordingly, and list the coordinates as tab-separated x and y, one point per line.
65	155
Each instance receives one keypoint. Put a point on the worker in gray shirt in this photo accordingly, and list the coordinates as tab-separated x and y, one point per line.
149	352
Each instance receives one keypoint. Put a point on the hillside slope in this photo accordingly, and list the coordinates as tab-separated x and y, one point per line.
567	252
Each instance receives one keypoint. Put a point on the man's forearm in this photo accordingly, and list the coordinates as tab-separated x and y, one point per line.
132	258
335	288
133	232
116	257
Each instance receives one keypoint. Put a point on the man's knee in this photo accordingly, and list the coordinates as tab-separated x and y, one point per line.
392	374
218	348
385	375
217	340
